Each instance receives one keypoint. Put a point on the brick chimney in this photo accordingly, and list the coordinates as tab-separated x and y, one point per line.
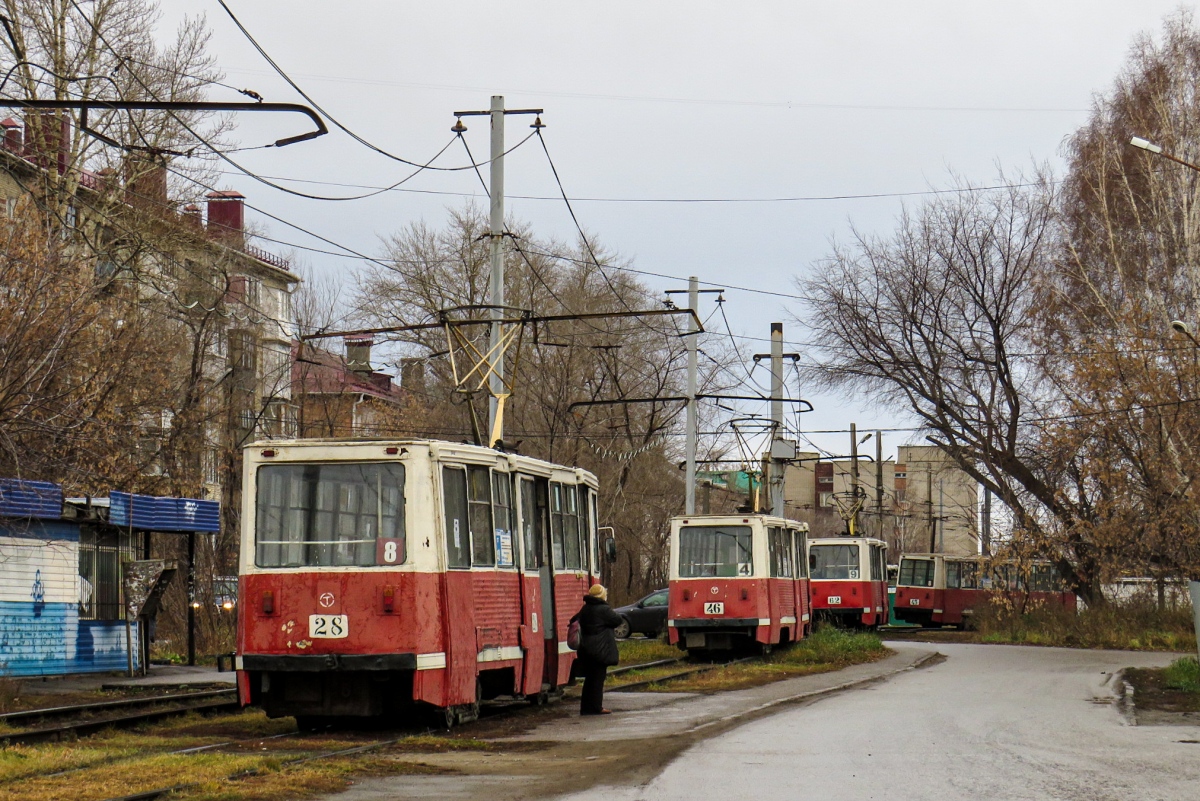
146	185
358	352
412	375
14	142
48	139
192	217
226	217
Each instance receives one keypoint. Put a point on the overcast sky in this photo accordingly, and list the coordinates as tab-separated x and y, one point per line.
674	100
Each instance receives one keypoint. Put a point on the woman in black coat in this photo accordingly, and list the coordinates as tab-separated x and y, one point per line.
597	648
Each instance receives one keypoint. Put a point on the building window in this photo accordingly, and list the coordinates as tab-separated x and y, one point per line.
901	474
100	556
826	499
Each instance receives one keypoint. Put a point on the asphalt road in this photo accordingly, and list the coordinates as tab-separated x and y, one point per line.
990	722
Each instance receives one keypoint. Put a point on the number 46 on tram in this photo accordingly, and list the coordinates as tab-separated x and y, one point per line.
737	582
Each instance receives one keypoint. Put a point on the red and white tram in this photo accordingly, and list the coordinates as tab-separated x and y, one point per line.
381	577
848	577
934	590
736	581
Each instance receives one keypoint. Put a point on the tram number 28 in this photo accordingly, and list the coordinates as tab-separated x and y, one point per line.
328	627
714	608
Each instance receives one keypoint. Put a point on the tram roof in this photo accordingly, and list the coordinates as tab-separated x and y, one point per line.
441	446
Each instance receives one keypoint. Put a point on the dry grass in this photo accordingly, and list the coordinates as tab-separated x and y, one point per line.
260	766
1137	625
10	693
827	650
649	674
634	652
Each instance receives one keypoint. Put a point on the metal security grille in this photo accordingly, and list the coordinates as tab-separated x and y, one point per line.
100	556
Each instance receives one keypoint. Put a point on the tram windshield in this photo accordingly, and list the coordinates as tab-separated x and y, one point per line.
833	562
916	573
715	551
329	515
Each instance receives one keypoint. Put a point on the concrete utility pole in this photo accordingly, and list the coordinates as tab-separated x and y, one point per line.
879	481
941	516
692	347
986	544
929	502
495	360
496	193
854	488
776	464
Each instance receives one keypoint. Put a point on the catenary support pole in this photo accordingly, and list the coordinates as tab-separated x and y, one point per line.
879	481
496	191
692	348
854	487
1194	586
985	546
776	466
191	599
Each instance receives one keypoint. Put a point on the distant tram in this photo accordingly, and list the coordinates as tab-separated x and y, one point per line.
848	579
934	590
383	578
737	582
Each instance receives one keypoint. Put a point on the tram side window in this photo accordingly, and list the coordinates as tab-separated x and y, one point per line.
834	562
594	516
1042	578
557	553
916	573
458	532
715	551
479	509
801	549
533	510
329	514
570	535
962	575
586	533
502	515
877	567
780	546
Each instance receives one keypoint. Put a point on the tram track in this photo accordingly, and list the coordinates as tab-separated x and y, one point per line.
77	720
680	675
300	752
161	792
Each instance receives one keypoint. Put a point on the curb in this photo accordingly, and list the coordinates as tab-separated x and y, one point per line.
920	662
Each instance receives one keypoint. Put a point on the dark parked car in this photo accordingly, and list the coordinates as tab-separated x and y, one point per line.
648	616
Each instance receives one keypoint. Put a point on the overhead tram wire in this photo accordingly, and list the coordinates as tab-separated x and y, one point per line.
246	171
337	123
701	200
586	243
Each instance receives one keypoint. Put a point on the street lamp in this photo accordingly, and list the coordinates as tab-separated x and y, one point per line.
1182	328
1157	150
1193	586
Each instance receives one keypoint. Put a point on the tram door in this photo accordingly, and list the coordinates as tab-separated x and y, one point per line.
537	586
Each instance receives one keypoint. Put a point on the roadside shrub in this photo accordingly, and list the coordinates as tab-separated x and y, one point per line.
1183	674
10	691
831	645
1136	624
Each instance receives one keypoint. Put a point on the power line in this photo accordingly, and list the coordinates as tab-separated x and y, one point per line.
783	104
793	199
362	141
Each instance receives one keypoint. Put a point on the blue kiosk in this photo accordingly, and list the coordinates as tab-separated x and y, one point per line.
62	605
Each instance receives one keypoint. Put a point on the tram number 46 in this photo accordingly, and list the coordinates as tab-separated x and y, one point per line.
714	608
328	627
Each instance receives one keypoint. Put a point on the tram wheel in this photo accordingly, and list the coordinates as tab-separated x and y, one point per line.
446	718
